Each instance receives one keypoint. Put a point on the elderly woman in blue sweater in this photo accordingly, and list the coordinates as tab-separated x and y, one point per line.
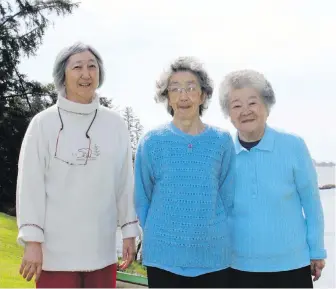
277	219
184	185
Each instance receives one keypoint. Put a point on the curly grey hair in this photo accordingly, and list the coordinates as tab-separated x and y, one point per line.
184	64
62	61
246	78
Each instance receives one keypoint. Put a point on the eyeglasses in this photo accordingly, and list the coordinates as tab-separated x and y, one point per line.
87	136
188	89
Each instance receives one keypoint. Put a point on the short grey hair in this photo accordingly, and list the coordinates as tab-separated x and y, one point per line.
62	61
246	78
184	64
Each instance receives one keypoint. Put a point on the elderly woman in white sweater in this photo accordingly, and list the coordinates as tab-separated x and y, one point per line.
75	182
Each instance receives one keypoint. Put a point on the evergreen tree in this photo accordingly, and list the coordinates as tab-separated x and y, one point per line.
22	26
134	127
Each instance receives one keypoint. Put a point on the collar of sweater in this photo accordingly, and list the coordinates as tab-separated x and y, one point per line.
75	107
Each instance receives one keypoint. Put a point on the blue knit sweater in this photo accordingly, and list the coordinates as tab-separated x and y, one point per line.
184	189
277	218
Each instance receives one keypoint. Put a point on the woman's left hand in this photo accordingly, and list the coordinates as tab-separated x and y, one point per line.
129	252
316	267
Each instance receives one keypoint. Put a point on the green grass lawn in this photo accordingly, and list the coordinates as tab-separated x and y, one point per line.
11	254
136	269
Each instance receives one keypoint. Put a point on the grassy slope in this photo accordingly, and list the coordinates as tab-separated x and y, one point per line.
11	254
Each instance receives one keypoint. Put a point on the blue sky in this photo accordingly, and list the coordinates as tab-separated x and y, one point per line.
292	42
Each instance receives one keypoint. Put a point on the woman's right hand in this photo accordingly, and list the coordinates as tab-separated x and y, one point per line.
32	261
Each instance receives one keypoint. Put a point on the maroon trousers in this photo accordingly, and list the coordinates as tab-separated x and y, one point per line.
103	278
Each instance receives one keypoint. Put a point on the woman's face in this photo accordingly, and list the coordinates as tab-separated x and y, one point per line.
185	95
247	110
81	77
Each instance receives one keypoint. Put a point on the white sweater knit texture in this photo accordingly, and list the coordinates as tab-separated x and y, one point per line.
74	210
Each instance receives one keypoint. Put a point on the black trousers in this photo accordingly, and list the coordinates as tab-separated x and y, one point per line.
298	278
158	278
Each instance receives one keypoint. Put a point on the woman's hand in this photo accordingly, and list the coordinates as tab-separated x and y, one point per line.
316	267
129	252
32	261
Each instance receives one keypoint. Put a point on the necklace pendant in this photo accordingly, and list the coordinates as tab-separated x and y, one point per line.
190	147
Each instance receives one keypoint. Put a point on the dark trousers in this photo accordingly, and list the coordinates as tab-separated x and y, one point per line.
298	278
158	278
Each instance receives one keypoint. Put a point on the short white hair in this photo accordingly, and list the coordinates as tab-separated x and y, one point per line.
62	61
192	65
246	78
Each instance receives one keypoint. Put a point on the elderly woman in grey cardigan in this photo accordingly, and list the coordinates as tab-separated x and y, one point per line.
277	219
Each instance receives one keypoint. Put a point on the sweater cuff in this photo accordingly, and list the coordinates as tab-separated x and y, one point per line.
130	230
318	254
30	234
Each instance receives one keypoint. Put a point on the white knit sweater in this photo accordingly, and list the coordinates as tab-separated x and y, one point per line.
74	210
